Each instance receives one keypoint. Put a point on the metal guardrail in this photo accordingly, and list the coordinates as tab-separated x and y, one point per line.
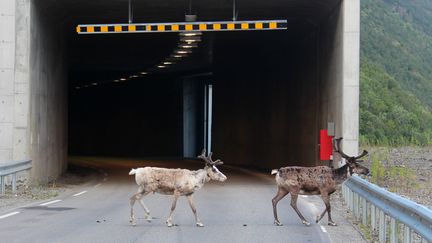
390	214
11	169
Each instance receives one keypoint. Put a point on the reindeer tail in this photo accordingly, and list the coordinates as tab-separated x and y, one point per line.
132	172
274	171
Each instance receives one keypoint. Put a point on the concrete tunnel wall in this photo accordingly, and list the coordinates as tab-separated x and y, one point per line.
48	95
339	45
33	90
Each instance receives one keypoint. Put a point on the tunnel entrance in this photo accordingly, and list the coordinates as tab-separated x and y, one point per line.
269	89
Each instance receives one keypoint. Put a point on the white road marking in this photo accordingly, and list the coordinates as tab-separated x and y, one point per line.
48	203
80	193
8	215
323	229
97	185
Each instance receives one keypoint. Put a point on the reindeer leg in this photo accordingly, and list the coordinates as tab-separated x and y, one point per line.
328	208
192	205
326	199
148	217
280	194
294	197
135	197
319	217
173	206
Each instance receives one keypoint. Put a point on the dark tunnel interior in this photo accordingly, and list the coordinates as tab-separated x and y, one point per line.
262	83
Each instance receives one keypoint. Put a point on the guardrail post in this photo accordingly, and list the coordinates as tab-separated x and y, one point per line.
3	186
364	211
393	231
14	182
355	205
382	227
373	217
407	234
344	188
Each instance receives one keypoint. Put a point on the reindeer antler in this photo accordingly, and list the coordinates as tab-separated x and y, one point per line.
364	153
208	159
347	157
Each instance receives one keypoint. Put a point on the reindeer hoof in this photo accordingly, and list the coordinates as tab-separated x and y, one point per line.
199	224
331	223
277	223
317	219
169	224
149	218
305	222
133	223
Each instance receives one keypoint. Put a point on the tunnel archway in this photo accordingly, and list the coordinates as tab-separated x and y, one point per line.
272	90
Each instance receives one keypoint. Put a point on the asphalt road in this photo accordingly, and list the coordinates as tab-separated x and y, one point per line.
238	210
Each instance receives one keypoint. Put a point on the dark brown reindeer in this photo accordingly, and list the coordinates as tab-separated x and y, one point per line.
318	180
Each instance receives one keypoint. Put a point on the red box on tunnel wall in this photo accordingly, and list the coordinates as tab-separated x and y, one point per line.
326	145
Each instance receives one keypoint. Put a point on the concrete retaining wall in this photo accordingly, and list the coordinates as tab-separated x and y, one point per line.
33	85
48	95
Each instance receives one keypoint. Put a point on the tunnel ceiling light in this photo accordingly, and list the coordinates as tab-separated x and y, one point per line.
186	27
182	51
94	84
190	33
123	79
161	66
143	73
190	39
188	45
167	63
178	56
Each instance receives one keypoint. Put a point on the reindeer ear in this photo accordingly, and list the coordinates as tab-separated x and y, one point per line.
203	152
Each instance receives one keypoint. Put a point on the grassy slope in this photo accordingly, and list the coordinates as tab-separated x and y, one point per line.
396	72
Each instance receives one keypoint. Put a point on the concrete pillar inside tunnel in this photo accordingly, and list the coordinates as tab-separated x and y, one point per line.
189	117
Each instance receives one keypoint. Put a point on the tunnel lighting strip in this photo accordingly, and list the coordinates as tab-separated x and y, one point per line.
182	27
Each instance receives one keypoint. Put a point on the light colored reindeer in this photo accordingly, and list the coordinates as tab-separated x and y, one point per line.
177	182
318	180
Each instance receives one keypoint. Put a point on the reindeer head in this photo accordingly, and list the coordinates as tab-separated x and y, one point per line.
352	161
212	170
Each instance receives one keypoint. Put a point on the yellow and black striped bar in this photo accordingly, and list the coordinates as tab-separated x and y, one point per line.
182	27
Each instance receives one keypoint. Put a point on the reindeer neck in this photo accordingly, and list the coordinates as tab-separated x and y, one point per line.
202	176
340	174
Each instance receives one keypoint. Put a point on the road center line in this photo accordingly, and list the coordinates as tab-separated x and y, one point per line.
323	229
8	215
48	203
80	193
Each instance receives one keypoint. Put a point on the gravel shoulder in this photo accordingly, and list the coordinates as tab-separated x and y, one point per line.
406	171
67	183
